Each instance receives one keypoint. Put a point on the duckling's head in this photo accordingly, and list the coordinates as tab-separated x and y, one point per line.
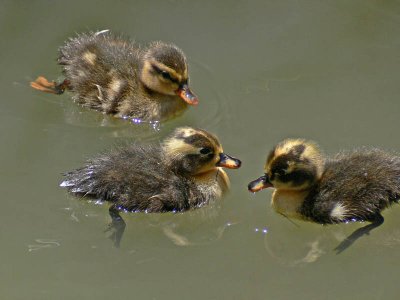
193	152
164	70
293	164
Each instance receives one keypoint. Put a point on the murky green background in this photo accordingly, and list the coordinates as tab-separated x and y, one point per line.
264	71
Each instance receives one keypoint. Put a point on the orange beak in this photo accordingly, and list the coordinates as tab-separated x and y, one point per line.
259	184
187	95
229	162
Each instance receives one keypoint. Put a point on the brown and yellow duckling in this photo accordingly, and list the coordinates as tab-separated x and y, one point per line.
352	186
119	77
184	172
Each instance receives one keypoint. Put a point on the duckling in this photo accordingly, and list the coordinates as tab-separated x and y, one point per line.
183	172
117	76
352	186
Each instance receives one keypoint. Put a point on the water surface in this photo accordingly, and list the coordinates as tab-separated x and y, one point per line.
264	71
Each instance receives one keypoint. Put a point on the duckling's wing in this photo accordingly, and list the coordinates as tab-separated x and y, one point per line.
111	175
134	178
356	186
98	67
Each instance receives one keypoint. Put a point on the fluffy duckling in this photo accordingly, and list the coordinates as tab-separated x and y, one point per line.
119	77
352	186
183	172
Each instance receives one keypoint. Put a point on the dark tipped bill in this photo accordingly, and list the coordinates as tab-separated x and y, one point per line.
229	162
259	184
187	95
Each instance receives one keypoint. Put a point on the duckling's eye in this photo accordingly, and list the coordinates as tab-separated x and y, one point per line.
166	75
280	172
205	150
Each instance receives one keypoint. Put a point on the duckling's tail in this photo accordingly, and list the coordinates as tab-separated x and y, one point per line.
42	84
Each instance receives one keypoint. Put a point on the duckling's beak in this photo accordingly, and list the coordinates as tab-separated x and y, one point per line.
259	184
187	95
227	161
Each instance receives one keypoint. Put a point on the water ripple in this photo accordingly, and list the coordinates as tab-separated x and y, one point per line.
43	244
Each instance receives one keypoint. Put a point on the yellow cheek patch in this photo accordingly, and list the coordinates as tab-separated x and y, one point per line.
185	74
175	147
155	82
188	140
171	71
146	75
310	157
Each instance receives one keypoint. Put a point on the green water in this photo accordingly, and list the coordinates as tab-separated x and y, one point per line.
263	71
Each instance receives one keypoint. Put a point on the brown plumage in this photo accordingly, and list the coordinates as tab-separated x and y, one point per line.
183	172
118	76
352	186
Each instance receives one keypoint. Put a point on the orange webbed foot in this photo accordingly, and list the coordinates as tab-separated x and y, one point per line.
42	84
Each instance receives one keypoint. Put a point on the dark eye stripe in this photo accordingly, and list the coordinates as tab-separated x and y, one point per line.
299	177
165	74
205	150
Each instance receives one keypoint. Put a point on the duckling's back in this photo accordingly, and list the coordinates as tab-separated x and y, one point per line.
101	68
355	185
135	179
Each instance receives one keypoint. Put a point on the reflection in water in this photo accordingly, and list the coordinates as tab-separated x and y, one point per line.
78	116
197	227
43	244
313	254
392	239
325	70
211	112
305	246
282	250
182	240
